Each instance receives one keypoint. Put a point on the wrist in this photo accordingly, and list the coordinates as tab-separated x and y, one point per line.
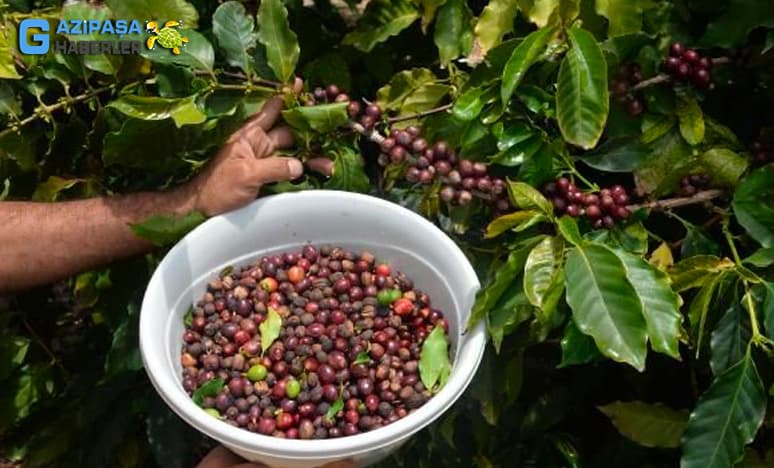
185	199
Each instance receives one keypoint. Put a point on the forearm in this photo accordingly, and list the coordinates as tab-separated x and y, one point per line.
44	242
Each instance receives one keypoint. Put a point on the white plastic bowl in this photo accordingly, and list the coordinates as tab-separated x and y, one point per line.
276	224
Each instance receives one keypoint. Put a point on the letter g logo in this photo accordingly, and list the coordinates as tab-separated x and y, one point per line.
40	42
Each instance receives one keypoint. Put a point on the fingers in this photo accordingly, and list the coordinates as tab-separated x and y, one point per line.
276	169
281	137
219	457
322	165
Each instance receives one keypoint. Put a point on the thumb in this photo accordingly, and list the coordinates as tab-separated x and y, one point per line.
276	169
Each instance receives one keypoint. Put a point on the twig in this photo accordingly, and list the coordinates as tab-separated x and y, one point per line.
42	344
243	77
419	115
664	78
669	203
372	135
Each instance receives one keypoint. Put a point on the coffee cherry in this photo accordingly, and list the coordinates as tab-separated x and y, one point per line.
425	177
440	150
464	197
412	174
373	110
593	211
353	109
479	169
465	167
691	56
442	168
701	78
397	154
683	72
413	130
419	145
319	94
563	184
448	194
367	122
634	107
705	63
388	144
676	49
671	64
573	210
343	97
403	138
331	91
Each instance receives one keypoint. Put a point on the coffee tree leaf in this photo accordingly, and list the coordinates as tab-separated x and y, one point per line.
382	19
509	221
691	119
402	86
469	104
49	190
526	54
695	271
724	166
577	347
453	33
660	304
726	418
233	30
434	365
164	10
527	197
761	258
605	305
82	11
495	21
541	270
699	308
7	66
30	384
582	100
337	406
124	354
161	230
348	172
282	49
197	53
429	8
729	340
568	228
740	17
270	329
650	425
768	308
616	155
321	118
512	309
697	242
753	205
624	16
661	257
183	111
208	389
13	350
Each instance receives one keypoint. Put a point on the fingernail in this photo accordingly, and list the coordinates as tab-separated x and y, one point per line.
295	168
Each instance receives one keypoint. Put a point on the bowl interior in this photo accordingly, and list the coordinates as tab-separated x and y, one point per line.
285	222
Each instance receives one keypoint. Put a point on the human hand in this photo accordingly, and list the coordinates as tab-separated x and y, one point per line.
220	457
235	175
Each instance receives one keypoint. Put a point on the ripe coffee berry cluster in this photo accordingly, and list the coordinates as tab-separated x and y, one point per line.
691	184
367	115
628	75
601	209
346	357
462	179
688	65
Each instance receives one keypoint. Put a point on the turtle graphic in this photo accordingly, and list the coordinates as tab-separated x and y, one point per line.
168	37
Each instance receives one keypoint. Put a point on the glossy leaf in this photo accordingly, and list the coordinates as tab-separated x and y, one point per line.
768	308
761	258
691	120
509	221
434	365
739	18
348	171
30	385
724	166
605	304
49	190
270	329
726	418
624	16
616	155
729	340
207	389
12	353
381	20
660	304
578	348
495	21
282	49
699	308
321	118
568	228
143	10
7	67
662	258
541	271
527	197
523	57
124	354
197	53
161	230
512	309
453	33
403	86
582	93
651	425
337	406
754	205
82	11
233	30
429	8
695	271
183	111
469	104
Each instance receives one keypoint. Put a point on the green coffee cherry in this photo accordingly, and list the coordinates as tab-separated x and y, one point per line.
386	297
257	372
212	412
292	388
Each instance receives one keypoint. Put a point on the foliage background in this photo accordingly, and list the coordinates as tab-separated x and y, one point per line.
73	391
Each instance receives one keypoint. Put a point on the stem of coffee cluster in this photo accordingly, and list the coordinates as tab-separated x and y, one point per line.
669	203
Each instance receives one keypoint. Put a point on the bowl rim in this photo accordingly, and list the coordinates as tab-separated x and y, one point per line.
470	352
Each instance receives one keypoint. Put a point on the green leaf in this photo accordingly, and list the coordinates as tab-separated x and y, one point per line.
624	16
768	308
30	385
699	308
82	11
322	118
510	221
651	425
511	310
582	99
382	19
233	30
49	190
411	89
495	21
524	56
270	329
362	358
9	104
281	43
729	340
208	389
429	8
124	354
453	33
196	54
7	67
163	10
434	365
605	305
328	68
754	205
337	406
740	17
695	271
469	104
577	348
660	304
183	111
348	172
13	350
161	230
542	270
691	120
527	197
724	166
568	228
697	242
726	418
761	258
616	155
